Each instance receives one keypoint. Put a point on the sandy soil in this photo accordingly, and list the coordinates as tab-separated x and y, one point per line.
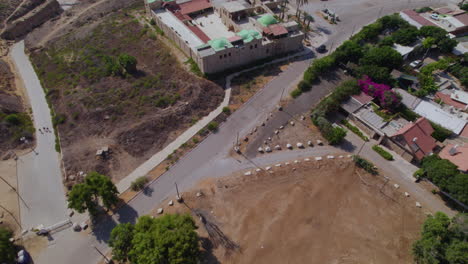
322	211
9	207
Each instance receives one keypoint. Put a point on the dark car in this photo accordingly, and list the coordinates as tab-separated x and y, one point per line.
321	49
23	257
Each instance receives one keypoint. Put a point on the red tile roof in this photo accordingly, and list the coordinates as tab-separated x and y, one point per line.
464	132
194	6
460	158
278	30
199	33
234	38
462	18
416	17
447	100
418	134
363	98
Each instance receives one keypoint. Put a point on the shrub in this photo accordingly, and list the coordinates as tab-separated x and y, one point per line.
213	126
152	22
440	133
335	136
139	183
194	67
365	164
418	174
423	9
355	130
7	249
382	152
295	93
128	62
304	86
13	119
227	110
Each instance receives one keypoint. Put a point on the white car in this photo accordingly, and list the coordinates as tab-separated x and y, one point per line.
415	63
435	16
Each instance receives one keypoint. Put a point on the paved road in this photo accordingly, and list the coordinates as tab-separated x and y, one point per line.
39	176
210	158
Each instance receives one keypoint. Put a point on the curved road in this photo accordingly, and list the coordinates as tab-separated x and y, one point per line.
39	175
210	158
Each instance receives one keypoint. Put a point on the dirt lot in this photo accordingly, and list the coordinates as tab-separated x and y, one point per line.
135	114
321	211
247	84
9	207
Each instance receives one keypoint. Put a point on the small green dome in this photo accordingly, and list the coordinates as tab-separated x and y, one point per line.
267	20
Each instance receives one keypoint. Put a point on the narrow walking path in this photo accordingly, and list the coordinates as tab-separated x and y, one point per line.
39	174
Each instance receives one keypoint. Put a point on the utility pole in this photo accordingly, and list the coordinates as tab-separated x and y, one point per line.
179	198
16	191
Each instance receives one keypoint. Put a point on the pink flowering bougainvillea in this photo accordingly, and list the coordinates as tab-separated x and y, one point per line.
388	99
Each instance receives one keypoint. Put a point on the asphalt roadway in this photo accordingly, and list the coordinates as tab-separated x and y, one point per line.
211	157
39	175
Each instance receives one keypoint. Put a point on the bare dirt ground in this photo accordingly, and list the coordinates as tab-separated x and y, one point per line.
11	103
247	84
323	211
9	207
137	114
7	7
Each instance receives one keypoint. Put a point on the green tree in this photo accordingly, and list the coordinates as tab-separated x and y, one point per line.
348	51
168	239
80	198
128	62
440	171
447	44
121	241
457	252
85	196
392	22
432	31
383	57
13	119
442	241
458	187
387	41
336	135
7	249
376	73
406	36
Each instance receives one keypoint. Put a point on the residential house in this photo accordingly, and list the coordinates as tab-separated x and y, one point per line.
456	154
416	138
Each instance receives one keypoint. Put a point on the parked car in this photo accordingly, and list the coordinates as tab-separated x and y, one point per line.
321	49
416	64
435	16
23	257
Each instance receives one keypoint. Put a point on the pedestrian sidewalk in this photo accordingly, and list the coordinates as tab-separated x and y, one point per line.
159	157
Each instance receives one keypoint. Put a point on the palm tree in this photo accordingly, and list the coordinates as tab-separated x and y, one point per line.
300	3
307	17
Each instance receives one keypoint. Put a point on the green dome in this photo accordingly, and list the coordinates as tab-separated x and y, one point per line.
267	20
219	43
249	35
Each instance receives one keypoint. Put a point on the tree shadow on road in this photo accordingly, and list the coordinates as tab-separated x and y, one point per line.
207	256
102	229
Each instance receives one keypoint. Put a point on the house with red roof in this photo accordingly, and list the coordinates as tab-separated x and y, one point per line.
456	154
416	138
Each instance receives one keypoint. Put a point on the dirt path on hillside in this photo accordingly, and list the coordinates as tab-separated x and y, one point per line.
321	211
